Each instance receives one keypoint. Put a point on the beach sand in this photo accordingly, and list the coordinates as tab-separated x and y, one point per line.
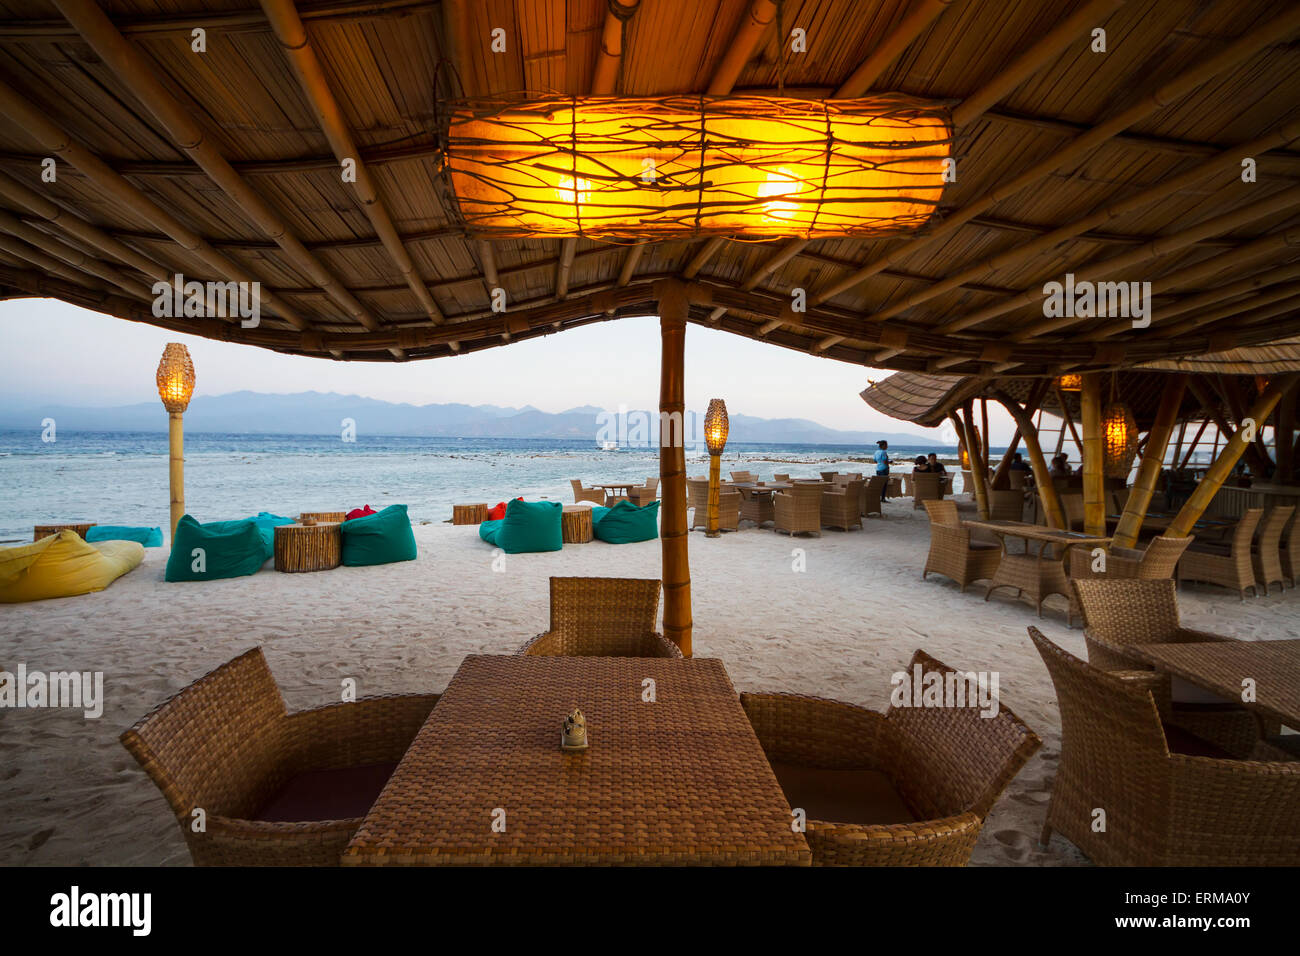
72	795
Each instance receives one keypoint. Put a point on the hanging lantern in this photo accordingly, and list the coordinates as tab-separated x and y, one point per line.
1261	383
716	426
175	378
1070	383
682	166
965	458
1119	438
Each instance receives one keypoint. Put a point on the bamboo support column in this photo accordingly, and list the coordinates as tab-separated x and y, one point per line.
176	442
1284	436
978	470
1094	457
1042	475
1225	461
673	308
1153	458
715	479
999	479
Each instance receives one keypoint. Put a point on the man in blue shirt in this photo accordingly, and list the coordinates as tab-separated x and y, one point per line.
882	466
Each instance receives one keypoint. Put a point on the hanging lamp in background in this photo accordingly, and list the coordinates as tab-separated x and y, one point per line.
1119	434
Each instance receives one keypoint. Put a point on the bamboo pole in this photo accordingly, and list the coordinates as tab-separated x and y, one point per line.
1196	440
978	469
610	53
1094	457
1042	475
176	468
1068	420
1284	436
1226	460
1221	424
715	477
673	309
1000	472
743	44
1153	459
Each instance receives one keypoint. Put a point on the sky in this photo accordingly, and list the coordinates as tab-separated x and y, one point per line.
52	351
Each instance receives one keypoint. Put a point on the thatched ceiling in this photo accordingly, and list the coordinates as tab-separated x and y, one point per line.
1118	165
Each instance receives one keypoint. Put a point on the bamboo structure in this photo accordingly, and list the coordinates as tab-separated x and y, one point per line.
673	308
1153	456
1094	458
1042	476
176	468
978	465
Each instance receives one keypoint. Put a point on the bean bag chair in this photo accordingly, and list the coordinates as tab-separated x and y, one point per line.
266	525
360	513
498	511
625	523
62	565
379	538
149	537
218	549
528	526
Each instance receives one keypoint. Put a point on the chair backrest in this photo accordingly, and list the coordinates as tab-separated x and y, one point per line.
850	491
1006	504
1291	545
576	484
943	512
871	494
802	491
698	489
652	483
1016	480
1271	528
1161	556
1245	530
926	486
1128	610
780	477
957	759
742	476
604	613
1073	506
829	475
217	744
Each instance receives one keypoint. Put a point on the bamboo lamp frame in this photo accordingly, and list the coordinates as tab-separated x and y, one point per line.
715	437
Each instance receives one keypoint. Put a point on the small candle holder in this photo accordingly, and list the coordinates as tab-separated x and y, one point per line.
573	734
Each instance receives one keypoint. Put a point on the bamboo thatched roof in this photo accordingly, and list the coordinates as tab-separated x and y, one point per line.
225	164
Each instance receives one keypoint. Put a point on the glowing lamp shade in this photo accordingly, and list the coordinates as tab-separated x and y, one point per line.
715	426
1119	435
1070	383
965	458
684	166
175	378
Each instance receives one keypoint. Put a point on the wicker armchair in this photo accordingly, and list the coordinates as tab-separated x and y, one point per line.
755	507
644	495
742	476
1072	505
1266	553
581	494
697	499
275	789
952	553
909	787
1159	560
829	476
926	486
871	490
895	486
798	510
1290	550
842	506
1229	567
1121	613
1170	799
603	617
780	477
1006	505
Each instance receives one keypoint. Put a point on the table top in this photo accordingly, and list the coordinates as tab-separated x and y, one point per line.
766	486
1221	666
1036	532
610	486
681	780
299	526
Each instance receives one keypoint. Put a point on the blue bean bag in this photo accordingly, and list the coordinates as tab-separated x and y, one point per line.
380	538
218	549
528	526
149	537
625	523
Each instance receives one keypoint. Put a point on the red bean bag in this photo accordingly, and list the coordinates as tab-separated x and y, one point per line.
360	512
499	512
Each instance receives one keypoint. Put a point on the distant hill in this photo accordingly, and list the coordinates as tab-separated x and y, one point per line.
321	413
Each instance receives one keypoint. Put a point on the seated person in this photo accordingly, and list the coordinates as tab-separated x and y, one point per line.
922	466
1060	466
935	464
1018	463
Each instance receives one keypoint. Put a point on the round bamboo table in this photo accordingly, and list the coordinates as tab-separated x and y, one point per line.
469	514
336	516
45	530
312	547
575	524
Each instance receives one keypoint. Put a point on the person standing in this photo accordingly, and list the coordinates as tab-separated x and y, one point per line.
882	466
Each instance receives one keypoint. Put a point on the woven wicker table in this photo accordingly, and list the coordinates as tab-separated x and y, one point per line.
575	524
1221	666
314	547
469	514
336	516
682	780
1034	574
45	530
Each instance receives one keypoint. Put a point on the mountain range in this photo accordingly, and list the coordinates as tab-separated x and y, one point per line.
322	413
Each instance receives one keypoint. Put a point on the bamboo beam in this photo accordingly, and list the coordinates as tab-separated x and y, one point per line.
1067	419
74	257
1205	422
1284	423
27	253
1042	475
891	48
964	421
1221	424
1094	457
630	262
1226	460
673	308
1008	456
744	42
1153	459
176	470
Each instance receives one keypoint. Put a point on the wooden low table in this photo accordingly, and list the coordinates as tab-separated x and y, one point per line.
314	547
469	514
575	524
45	530
336	516
1036	574
682	780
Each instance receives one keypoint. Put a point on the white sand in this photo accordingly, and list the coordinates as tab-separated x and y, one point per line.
72	795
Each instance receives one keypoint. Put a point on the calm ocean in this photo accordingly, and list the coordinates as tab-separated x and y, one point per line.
121	477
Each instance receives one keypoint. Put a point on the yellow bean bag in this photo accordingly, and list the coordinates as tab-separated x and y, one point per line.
62	565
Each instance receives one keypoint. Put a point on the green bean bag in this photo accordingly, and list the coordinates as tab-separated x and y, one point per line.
266	525
62	565
149	537
218	549
626	523
380	538
528	526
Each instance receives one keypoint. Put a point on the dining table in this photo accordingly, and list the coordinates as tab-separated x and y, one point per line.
1036	573
618	489
672	773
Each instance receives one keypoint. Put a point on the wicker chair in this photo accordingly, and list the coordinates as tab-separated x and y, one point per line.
755	507
1016	479
909	787
895	486
644	495
603	617
926	486
798	510
1159	560
1122	613
871	490
697	499
1229	567
581	494
1170	799
952	553
780	477
729	503
829	476
275	789
1072	505
742	476
1006	505
1290	550
1266	553
842	506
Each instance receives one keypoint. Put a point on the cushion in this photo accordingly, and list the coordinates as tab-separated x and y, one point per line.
380	538
360	513
1185	742
231	549
266	525
842	796
345	793
62	565
149	537
625	523
498	511
528	526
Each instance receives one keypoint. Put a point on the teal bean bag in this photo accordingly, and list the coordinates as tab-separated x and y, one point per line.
527	527
149	537
266	525
380	538
218	549
626	523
